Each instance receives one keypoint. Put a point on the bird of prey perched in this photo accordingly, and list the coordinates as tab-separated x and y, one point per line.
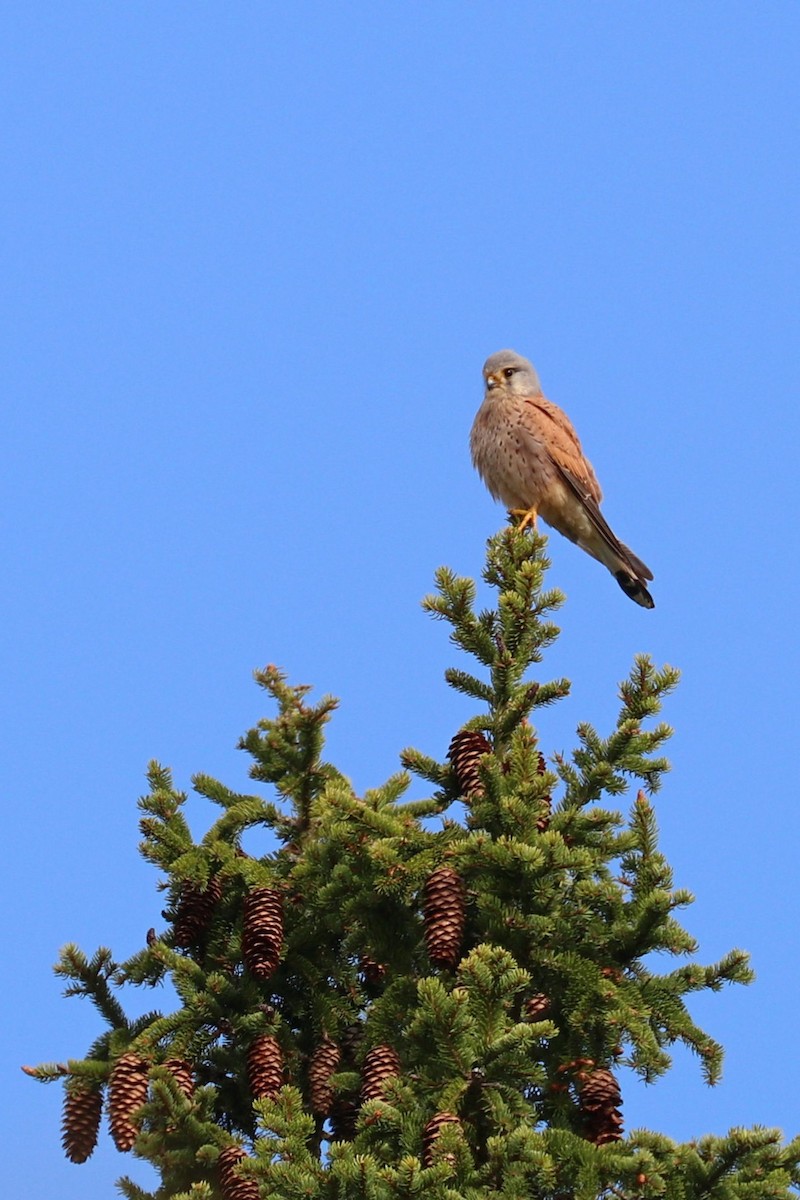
529	456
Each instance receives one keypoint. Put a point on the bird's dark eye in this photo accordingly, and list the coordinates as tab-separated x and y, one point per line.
509	371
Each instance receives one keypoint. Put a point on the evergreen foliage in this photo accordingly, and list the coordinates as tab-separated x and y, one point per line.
421	1007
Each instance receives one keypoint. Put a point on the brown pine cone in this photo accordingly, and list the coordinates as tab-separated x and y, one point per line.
232	1185
195	911
444	910
183	1074
265	1067
323	1063
344	1115
538	1007
546	802
382	1063
430	1135
80	1124
600	1101
262	934
127	1092
351	1040
465	753
373	972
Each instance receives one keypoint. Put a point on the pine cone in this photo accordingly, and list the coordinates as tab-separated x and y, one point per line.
546	801
600	1098
382	1063
373	972
262	935
265	1067
183	1074
465	753
351	1040
538	1007
127	1092
444	910
195	910
430	1135
344	1115
80	1124
232	1185
323	1063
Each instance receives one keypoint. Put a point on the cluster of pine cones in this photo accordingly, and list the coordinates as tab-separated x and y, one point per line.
444	916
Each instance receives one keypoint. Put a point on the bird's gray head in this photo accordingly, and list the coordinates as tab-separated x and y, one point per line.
508	372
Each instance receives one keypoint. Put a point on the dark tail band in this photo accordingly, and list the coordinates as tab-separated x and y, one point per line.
635	589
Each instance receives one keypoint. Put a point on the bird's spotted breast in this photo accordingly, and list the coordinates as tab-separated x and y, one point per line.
511	463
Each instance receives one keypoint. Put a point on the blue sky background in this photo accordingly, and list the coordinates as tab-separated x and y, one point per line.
254	257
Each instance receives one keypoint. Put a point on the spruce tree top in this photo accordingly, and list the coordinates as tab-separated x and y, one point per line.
418	997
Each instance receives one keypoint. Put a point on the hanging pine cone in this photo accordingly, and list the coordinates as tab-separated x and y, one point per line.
265	1067
444	910
83	1106
183	1074
262	935
233	1185
351	1040
430	1135
373	972
538	1007
344	1115
382	1063
195	910
323	1063
465	753
127	1092
600	1098
546	801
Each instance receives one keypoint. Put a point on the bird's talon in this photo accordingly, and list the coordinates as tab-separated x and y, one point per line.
527	517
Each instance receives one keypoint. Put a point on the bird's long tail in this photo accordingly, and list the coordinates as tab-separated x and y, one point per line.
631	576
635	588
629	571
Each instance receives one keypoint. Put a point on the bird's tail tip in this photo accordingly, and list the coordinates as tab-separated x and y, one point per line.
635	589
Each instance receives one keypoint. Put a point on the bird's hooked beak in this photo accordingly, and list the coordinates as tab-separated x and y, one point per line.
491	382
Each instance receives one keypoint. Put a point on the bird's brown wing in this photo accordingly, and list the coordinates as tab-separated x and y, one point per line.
601	524
554	430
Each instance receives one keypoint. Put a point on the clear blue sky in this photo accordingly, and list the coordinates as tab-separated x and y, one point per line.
254	257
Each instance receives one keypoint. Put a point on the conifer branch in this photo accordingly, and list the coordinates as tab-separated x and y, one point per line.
468	685
428	768
91	978
386	1006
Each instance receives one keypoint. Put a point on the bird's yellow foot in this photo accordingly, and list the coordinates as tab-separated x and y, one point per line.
527	517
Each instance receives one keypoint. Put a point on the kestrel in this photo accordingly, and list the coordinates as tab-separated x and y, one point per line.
529	456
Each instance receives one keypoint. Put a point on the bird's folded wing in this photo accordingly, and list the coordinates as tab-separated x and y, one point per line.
601	524
553	428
